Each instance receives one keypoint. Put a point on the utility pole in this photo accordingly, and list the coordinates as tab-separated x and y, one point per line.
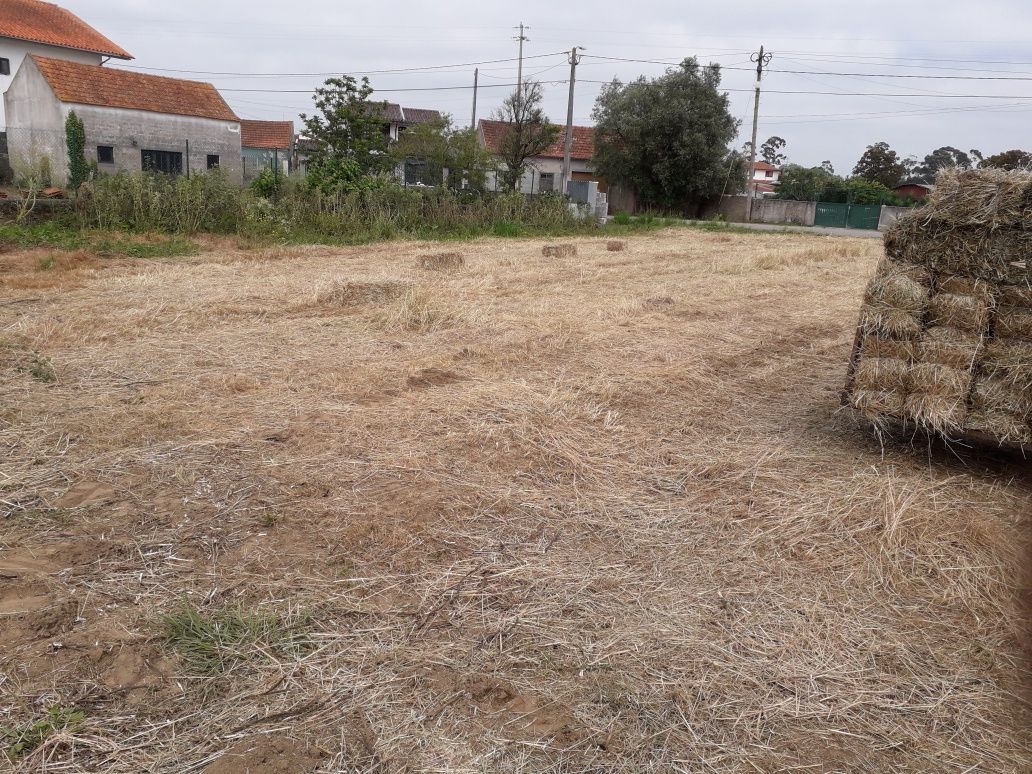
519	71
476	79
568	147
761	60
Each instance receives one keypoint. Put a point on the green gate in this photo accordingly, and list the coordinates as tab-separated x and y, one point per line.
864	216
847	215
829	214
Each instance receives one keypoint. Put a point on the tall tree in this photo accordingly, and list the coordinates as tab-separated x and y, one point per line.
827	167
939	159
880	164
1009	160
349	131
529	132
770	151
667	137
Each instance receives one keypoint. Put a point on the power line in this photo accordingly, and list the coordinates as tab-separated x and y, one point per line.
338	72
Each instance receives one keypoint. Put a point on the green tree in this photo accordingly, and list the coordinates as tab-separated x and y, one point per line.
806	184
939	159
770	151
529	133
445	154
75	139
880	164
667	137
827	167
1009	160
349	130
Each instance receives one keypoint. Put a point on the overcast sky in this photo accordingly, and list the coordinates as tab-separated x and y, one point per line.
985	43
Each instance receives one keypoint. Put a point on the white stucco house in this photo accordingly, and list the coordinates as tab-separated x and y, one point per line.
544	171
34	27
765	178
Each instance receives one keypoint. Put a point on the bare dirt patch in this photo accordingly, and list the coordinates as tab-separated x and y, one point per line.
534	515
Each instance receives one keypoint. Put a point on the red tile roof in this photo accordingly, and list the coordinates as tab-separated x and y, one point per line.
276	135
583	140
47	23
763	166
108	87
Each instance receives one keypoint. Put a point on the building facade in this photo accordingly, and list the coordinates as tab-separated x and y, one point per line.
34	27
544	171
765	178
266	145
133	122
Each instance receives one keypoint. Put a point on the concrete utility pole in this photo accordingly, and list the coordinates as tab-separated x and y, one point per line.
476	79
761	60
519	71
568	147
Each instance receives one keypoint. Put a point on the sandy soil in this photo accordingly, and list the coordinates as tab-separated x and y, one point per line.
599	512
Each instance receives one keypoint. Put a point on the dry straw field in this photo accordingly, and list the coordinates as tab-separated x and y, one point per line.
382	509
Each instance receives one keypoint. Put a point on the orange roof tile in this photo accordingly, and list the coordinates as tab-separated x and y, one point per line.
583	140
274	135
48	23
109	87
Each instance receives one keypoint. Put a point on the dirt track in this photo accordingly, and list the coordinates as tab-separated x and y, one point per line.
591	513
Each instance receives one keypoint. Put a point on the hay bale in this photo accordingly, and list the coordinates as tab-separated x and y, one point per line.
945	333
879	347
347	293
948	346
615	245
953	310
564	250
442	262
1014	322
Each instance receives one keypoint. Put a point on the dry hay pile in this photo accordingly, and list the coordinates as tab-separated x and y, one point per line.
615	245
945	333
564	250
442	262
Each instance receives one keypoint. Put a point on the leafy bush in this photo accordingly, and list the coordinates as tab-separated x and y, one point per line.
267	184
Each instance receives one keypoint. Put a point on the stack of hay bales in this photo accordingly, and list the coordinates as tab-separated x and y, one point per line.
945	334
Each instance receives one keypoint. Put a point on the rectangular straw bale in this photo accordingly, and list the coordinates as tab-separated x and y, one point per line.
1009	361
881	373
953	310
987	198
938	412
996	395
1014	322
943	248
879	347
1003	426
896	300
878	402
948	346
936	379
1016	295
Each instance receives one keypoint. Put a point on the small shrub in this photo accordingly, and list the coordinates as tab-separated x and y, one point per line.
622	219
21	741
503	228
268	184
212	643
46	263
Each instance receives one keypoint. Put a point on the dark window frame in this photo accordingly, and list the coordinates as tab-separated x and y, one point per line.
551	182
214	161
161	161
105	154
5	65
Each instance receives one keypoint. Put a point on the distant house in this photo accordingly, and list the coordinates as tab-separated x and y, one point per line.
765	178
912	190
33	27
396	120
133	121
266	145
544	171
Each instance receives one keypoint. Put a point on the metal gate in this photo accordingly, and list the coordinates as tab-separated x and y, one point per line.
847	215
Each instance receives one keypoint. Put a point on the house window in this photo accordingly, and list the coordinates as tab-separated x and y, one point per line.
547	182
167	162
769	173
105	154
213	161
5	66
